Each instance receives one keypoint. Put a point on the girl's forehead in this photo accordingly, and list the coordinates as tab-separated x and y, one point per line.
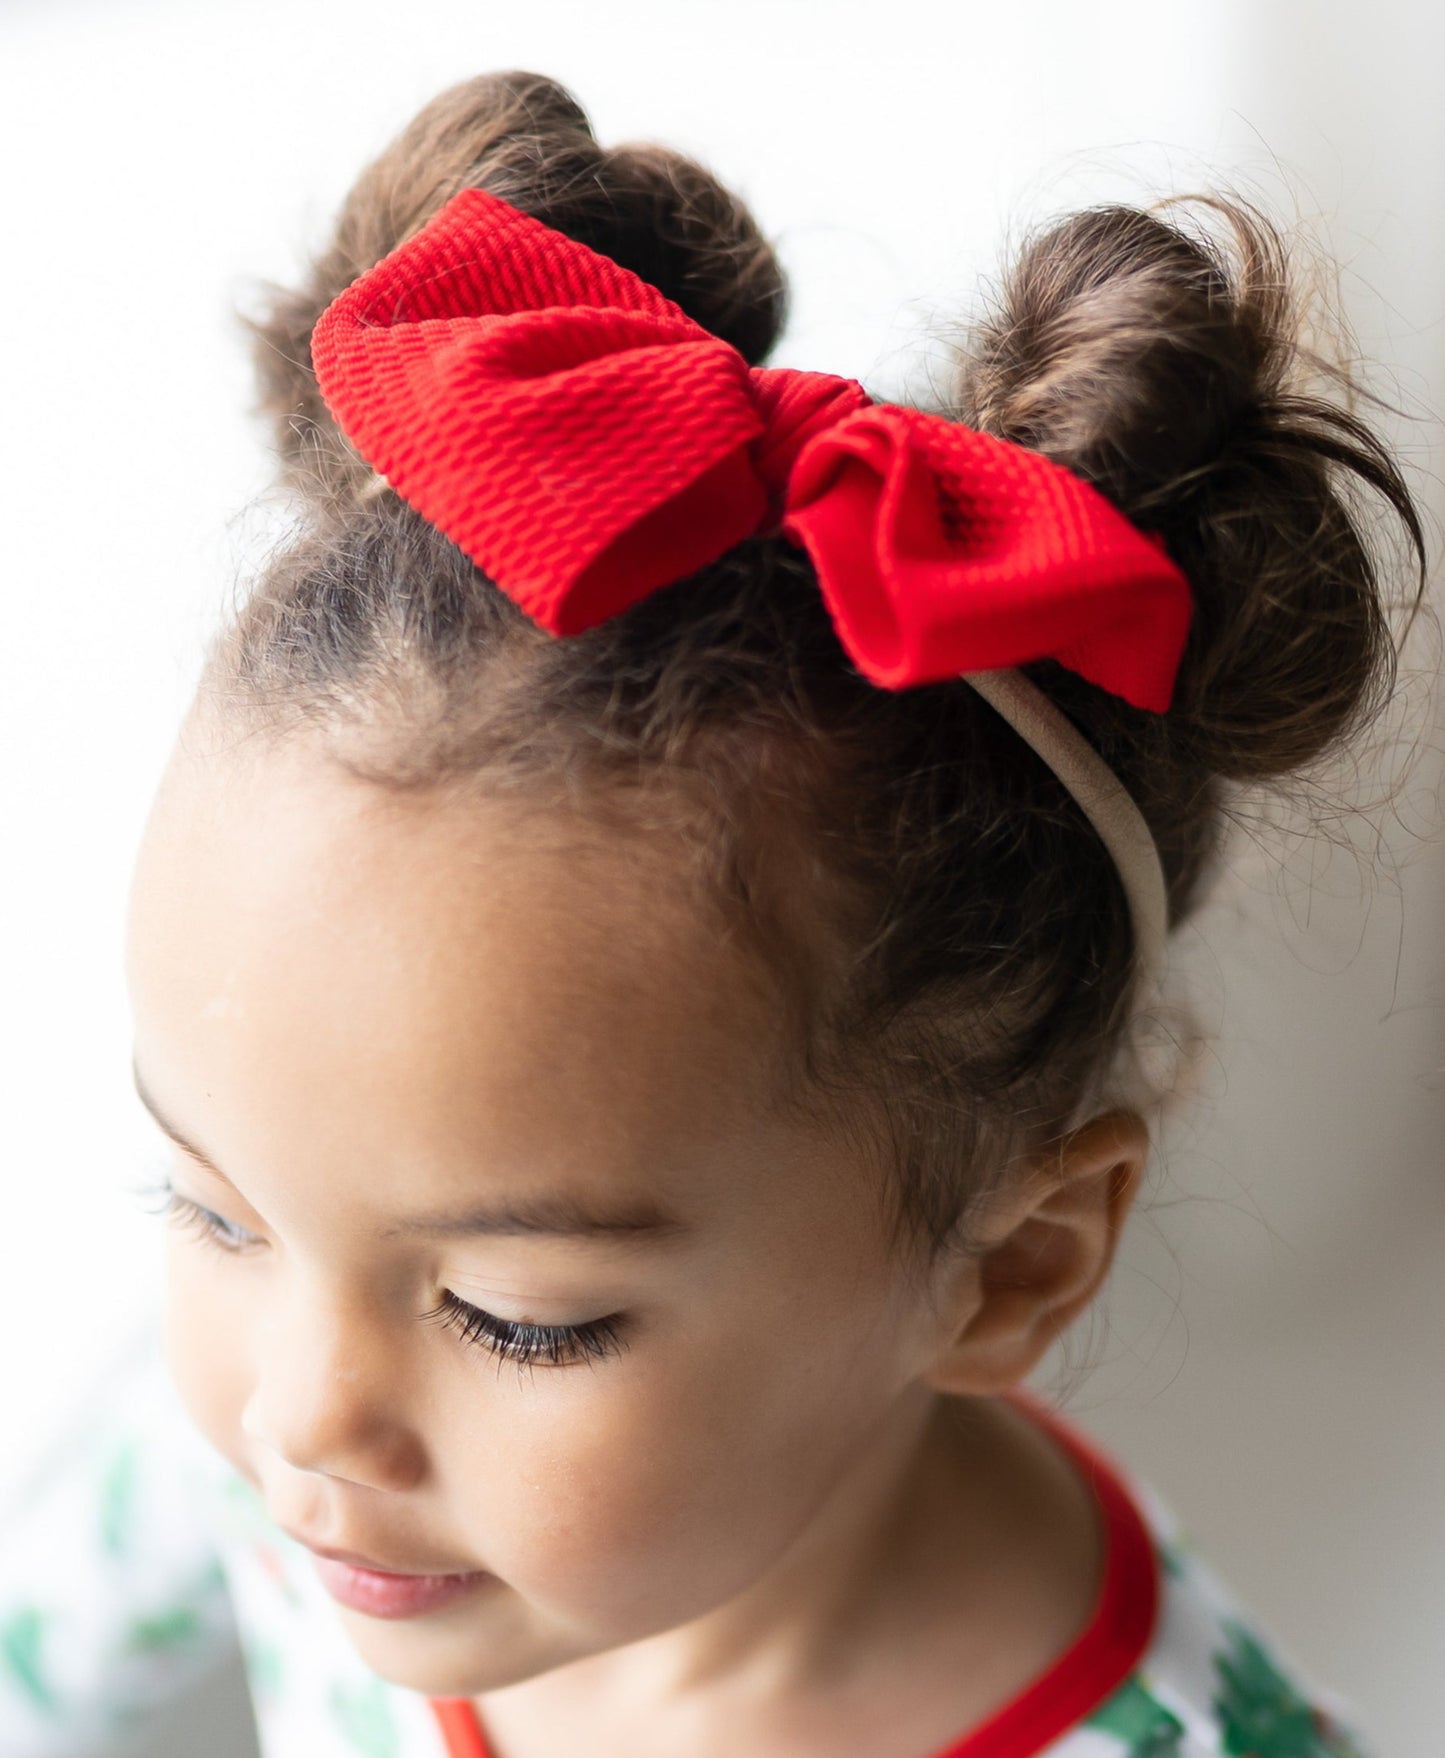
315	961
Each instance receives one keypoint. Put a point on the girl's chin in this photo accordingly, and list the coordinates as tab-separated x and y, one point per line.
464	1650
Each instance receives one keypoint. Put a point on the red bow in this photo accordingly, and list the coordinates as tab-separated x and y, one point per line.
585	442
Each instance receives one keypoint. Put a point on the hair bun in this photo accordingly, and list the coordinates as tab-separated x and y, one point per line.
524	137
1125	352
1166	367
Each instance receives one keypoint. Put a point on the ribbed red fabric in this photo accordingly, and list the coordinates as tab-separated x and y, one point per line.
585	442
1080	1680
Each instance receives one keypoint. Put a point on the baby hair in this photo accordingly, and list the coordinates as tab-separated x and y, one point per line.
947	938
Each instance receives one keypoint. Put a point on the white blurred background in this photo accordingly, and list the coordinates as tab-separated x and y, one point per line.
1271	1354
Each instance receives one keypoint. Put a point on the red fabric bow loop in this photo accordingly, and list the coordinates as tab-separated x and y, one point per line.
546	444
942	550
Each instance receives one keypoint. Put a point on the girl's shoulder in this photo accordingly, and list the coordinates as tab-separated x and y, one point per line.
1210	1683
113	1599
1177	1668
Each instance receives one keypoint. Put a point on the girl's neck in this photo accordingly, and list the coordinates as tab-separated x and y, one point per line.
950	1566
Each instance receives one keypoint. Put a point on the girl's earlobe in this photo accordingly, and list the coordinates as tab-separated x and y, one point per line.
1044	1255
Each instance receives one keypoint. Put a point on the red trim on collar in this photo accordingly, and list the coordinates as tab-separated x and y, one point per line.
1080	1680
460	1728
1109	1648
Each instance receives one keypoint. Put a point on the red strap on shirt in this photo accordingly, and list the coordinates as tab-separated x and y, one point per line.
1072	1686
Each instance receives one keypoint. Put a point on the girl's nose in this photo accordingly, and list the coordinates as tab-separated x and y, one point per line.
328	1397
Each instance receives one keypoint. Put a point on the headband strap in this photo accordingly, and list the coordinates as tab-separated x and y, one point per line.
585	442
1104	801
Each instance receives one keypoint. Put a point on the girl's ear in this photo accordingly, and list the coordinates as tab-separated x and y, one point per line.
1046	1248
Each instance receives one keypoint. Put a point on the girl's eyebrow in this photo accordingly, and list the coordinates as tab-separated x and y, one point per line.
556	1212
167	1128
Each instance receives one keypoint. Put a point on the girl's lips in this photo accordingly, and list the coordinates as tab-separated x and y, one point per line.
381	1594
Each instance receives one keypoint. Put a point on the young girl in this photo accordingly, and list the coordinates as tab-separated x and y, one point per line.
638	953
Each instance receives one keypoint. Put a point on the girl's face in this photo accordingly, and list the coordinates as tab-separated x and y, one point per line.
513	1267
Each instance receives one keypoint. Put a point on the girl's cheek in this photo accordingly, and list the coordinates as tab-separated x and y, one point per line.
609	1492
602	1529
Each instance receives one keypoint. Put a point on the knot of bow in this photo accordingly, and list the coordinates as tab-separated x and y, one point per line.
585	442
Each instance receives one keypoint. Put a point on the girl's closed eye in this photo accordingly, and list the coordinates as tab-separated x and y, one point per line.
531	1344
205	1223
527	1343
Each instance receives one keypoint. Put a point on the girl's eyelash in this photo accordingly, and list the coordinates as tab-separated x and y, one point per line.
508	1339
529	1344
163	1199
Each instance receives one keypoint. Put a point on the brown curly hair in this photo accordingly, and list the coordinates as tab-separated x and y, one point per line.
947	939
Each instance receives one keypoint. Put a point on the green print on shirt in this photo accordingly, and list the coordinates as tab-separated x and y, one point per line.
1171	1557
21	1639
163	1631
172	1627
1145	1726
1261	1714
117	1500
364	1716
